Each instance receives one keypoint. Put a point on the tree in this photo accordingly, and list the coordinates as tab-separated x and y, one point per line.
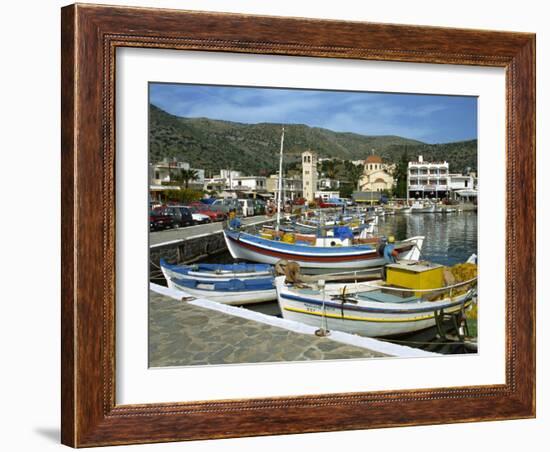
329	168
184	176
400	175
352	174
183	196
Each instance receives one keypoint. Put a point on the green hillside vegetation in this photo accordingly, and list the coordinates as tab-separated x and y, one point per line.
253	148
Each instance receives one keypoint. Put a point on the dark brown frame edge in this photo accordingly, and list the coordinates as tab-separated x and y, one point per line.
90	36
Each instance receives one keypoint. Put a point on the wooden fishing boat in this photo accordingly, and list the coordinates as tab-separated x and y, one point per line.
317	254
419	207
373	309
233	292
216	272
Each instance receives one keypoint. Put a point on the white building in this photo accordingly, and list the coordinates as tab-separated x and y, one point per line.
229	174
460	182
309	174
428	179
166	172
325	183
433	180
215	184
292	186
249	183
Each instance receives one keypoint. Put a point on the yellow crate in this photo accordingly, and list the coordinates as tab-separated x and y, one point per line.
415	276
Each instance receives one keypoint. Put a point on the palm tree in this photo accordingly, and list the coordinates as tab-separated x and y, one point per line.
330	168
186	175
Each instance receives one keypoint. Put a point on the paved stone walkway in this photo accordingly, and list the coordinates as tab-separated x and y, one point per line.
181	334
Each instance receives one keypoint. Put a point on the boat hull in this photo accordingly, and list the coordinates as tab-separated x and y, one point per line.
237	298
370	320
187	272
315	259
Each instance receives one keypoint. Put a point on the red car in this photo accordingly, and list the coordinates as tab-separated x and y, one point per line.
325	204
205	210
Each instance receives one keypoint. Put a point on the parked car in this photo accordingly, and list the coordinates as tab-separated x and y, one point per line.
328	203
227	205
205	209
180	215
247	206
198	217
158	220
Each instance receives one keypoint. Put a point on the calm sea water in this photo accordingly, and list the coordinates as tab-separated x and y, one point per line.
450	238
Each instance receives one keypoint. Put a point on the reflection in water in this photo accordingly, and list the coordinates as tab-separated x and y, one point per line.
450	238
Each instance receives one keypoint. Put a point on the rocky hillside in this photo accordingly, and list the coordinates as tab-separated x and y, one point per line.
253	148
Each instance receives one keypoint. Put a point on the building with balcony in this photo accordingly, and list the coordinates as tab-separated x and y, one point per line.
217	184
168	171
292	186
433	180
249	183
428	179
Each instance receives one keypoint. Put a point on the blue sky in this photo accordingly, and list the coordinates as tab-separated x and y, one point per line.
428	118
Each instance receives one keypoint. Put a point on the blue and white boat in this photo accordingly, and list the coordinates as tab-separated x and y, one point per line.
369	309
233	292
233	284
216	272
321	254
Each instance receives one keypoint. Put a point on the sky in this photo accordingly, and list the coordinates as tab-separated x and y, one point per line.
428	118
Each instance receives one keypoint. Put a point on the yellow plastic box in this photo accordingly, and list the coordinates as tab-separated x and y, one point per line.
415	276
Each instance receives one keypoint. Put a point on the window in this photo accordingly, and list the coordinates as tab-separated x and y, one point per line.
307	173
465	183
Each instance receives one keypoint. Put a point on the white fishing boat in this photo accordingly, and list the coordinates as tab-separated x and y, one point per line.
236	292
375	308
233	284
398	210
421	207
404	210
318	254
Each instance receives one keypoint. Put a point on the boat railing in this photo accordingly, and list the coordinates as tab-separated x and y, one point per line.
442	289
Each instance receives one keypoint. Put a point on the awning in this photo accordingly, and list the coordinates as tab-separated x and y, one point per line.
466	192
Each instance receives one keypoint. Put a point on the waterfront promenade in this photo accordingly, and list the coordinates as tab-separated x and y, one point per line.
190	331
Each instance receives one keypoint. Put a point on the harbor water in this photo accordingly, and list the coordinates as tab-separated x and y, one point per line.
450	238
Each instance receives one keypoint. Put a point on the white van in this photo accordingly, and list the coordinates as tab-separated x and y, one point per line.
247	206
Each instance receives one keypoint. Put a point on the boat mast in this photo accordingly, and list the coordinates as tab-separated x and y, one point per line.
280	189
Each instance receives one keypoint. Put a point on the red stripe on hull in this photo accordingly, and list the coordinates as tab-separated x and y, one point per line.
300	257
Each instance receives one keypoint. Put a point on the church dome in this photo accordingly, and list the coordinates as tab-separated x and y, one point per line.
373	159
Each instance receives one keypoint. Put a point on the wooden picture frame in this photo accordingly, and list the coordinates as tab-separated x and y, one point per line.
90	36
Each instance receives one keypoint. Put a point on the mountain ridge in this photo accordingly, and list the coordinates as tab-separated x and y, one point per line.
253	148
